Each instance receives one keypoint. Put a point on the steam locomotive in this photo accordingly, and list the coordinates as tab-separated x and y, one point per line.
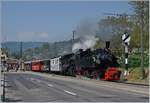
95	64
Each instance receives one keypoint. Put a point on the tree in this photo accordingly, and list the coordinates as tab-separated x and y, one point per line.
15	55
138	6
28	54
114	27
98	44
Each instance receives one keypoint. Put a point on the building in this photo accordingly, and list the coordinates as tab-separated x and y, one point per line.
3	56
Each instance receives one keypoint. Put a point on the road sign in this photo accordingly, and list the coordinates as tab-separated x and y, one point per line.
126	38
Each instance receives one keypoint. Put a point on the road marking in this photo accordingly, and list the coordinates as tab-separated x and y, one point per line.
32	79
50	85
70	92
38	80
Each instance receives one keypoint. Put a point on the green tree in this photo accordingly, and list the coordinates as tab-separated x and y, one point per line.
98	44
115	26
28	54
138	7
15	55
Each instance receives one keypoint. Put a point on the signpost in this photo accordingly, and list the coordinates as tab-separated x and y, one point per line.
126	40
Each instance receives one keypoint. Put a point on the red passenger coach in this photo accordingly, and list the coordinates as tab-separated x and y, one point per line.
36	65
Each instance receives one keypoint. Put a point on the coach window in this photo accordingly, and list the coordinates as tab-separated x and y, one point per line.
57	61
53	61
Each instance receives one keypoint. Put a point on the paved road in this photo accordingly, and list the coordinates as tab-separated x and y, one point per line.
34	88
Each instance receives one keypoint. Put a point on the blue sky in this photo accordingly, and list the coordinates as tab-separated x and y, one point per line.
52	21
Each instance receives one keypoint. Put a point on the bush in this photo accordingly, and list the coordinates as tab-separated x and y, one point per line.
134	60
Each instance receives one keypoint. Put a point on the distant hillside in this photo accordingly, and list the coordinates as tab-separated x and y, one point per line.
15	46
54	48
39	49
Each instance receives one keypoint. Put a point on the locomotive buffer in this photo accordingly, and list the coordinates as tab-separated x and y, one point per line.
126	40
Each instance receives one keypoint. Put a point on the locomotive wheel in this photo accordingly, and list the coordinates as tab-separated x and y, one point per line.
85	73
73	72
95	75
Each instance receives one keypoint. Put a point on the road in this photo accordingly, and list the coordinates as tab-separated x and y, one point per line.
24	87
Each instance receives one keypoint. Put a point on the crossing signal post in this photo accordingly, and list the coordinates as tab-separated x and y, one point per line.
126	40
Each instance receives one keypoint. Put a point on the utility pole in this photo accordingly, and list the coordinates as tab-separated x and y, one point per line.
55	49
21	56
142	47
20	49
73	33
3	86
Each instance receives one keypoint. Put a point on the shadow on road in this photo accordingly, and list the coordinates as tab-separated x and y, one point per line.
12	100
144	97
7	86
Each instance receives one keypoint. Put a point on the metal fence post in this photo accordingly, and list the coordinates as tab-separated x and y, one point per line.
3	88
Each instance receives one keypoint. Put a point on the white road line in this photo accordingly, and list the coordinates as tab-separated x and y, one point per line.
38	80
32	79
50	85
70	92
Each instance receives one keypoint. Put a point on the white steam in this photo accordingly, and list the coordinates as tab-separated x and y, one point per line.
86	42
86	32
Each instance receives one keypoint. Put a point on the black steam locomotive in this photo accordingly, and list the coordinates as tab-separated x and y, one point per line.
96	64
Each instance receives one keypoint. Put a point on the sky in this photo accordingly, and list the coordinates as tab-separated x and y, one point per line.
51	21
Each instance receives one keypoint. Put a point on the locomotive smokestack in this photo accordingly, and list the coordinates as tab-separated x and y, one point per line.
107	44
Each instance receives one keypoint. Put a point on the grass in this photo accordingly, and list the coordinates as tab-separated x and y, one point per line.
135	75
